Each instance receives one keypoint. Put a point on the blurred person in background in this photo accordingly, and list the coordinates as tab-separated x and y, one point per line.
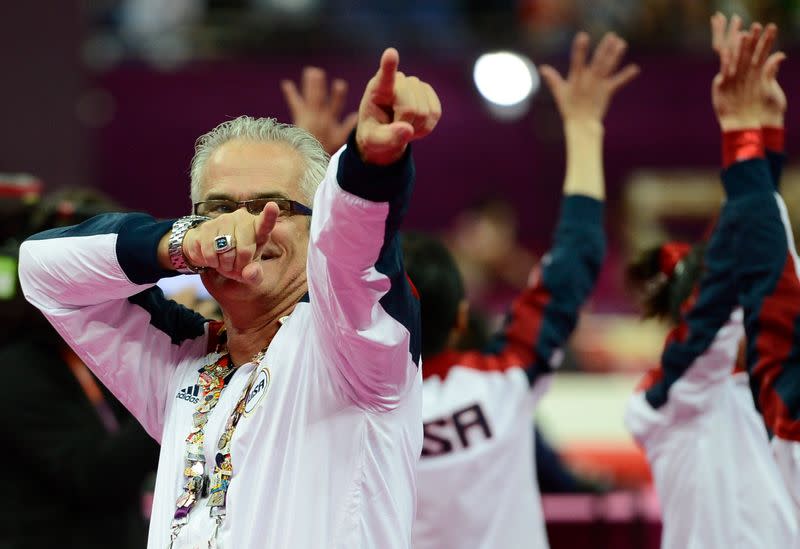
707	445
717	480
81	460
484	241
297	421
476	484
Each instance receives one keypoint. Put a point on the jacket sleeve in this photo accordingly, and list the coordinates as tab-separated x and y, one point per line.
94	283
749	187
758	267
774	146
543	316
767	268
364	310
700	325
694	393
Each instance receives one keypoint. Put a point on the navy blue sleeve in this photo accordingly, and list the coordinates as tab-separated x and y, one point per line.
776	161
543	316
716	300
393	184
769	293
138	236
741	262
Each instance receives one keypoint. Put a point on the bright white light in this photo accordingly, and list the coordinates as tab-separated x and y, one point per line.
505	78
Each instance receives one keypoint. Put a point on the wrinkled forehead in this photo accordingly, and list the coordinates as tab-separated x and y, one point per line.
242	169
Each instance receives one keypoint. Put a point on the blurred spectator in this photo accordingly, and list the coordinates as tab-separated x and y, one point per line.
79	459
160	30
166	31
485	244
19	194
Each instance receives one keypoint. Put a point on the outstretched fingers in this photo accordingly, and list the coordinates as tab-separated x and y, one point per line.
745	56
733	40
773	64
608	54
580	50
718	24
338	97
552	78
292	97
628	73
764	46
314	84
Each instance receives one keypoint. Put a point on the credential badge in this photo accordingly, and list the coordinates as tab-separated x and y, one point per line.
257	391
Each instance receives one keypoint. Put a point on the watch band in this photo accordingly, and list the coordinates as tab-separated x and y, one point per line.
175	243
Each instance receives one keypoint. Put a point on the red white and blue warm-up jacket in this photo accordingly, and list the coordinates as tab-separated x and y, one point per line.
708	449
750	262
476	481
326	453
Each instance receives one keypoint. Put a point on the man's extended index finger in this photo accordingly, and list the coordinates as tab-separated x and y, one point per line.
390	60
265	222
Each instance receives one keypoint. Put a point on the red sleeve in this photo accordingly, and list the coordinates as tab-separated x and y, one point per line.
741	145
774	139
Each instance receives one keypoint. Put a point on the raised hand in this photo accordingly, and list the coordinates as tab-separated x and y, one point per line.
736	89
250	234
772	98
318	110
589	87
395	110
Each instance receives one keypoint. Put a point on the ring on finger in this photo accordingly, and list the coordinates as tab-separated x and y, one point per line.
224	243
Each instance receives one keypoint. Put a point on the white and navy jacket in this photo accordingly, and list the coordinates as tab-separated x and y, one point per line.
325	455
717	480
708	450
477	487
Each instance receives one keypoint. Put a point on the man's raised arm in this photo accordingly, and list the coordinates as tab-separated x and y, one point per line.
363	305
94	283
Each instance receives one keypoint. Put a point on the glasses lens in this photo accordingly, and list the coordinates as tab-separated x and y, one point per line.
256	206
213	208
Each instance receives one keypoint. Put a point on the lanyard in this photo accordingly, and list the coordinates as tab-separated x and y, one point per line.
213	379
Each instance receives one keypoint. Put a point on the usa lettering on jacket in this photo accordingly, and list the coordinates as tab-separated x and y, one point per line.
447	434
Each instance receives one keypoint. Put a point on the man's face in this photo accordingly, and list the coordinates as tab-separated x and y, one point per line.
243	170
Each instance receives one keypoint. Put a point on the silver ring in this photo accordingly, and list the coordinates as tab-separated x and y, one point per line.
224	243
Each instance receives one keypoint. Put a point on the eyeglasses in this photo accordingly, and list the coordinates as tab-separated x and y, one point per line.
214	208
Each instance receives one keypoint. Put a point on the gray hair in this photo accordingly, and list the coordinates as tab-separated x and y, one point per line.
263	130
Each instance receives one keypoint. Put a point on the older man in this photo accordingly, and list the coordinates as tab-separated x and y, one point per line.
297	421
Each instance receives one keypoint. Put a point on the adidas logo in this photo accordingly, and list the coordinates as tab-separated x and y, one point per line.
189	393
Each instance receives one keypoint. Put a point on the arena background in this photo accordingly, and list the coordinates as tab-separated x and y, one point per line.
99	94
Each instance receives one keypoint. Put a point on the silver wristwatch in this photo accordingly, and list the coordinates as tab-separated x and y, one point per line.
175	243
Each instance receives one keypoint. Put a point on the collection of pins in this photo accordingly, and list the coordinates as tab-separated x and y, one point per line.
214	377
